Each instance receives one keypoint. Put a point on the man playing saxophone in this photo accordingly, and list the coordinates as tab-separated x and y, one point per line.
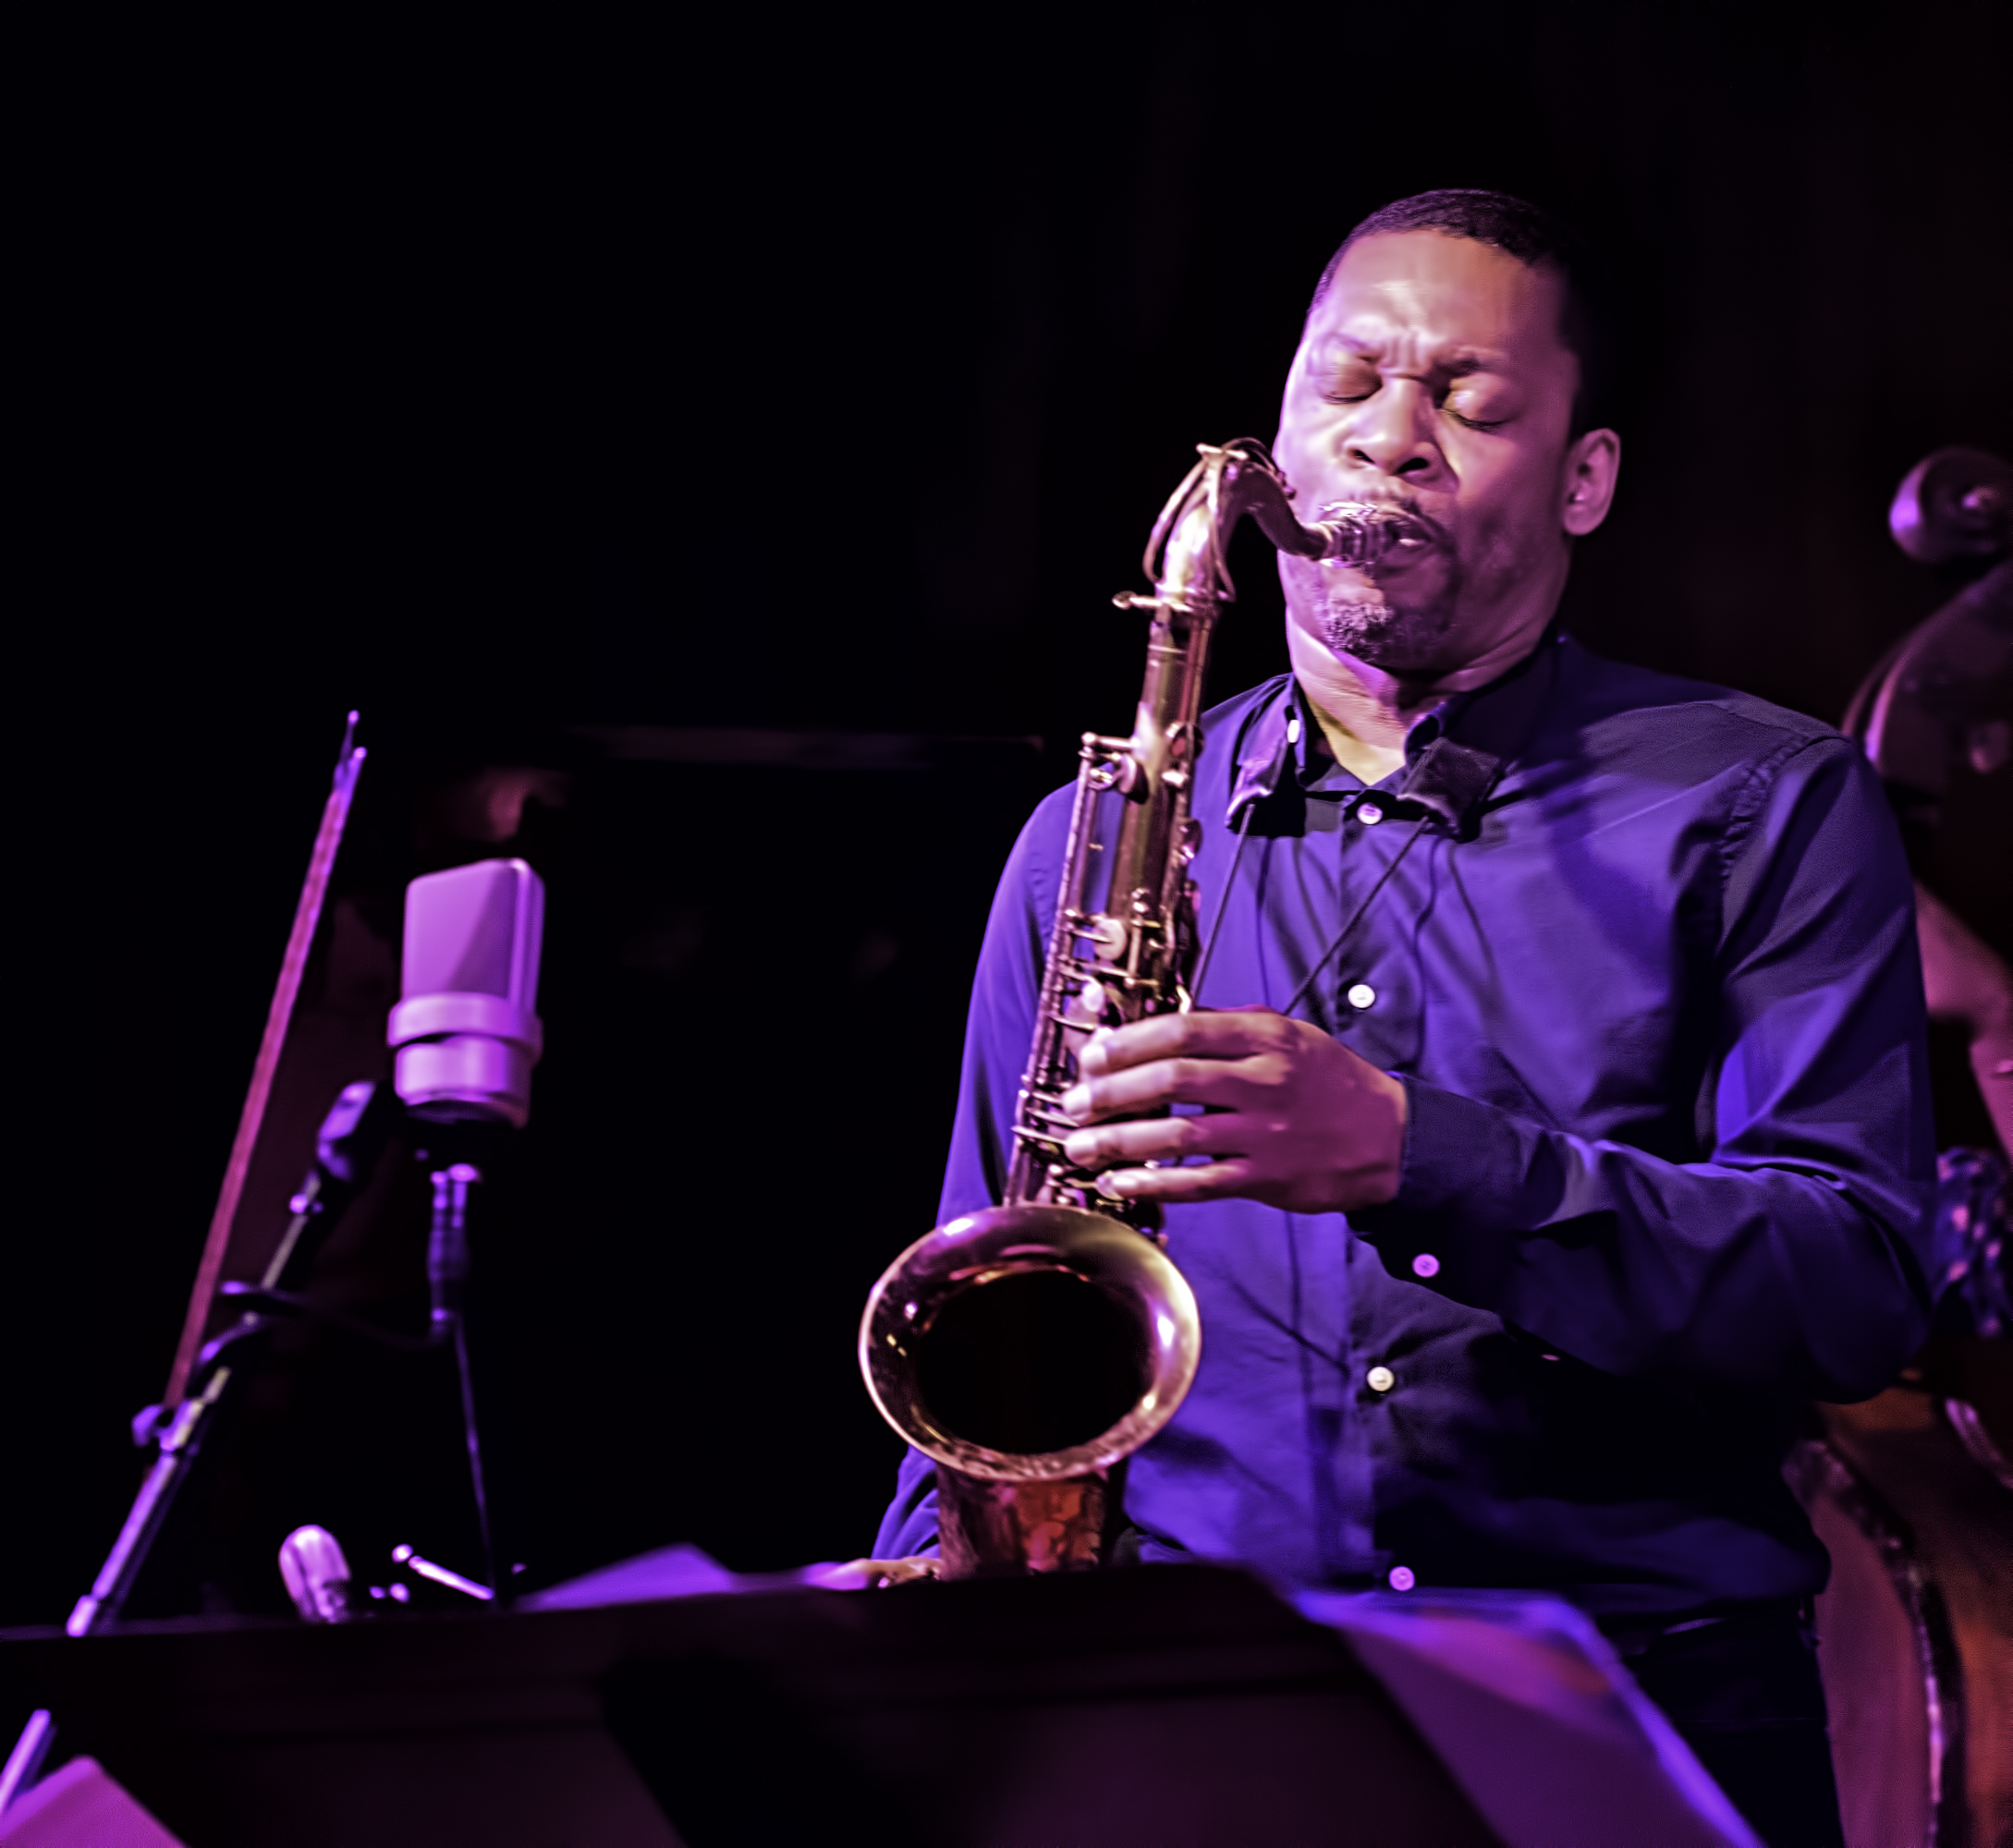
1552	1118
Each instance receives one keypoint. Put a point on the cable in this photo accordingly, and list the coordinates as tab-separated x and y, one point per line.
1223	898
1356	917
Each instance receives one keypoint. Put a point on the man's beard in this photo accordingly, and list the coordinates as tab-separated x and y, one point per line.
1405	625
1395	637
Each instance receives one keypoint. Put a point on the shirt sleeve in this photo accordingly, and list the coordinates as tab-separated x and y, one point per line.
998	1031
1793	1258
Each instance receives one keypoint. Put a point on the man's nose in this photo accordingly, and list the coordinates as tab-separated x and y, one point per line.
1392	433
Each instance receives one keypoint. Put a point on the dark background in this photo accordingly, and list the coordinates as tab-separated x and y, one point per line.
821	375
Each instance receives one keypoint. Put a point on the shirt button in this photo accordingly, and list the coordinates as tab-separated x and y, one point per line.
1370	814
1403	1578
1426	1265
1362	996
1381	1379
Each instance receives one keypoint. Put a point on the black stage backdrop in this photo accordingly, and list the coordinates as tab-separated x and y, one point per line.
813	375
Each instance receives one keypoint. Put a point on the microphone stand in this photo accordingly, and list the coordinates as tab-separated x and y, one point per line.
465	1038
351	1141
447	1277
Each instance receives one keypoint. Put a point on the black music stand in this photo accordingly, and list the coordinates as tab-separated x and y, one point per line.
1167	1704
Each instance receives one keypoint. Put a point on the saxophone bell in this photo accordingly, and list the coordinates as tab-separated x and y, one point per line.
1028	1350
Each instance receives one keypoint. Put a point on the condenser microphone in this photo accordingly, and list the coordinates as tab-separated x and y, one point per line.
466	1033
317	1575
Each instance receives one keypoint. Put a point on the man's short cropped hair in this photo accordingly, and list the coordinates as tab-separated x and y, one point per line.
1587	320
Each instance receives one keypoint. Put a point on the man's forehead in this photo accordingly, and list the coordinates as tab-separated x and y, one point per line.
1464	298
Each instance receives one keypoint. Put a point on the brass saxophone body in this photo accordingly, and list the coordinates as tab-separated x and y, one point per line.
1030	1348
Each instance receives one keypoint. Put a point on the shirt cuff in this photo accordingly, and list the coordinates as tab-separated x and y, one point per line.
1451	1224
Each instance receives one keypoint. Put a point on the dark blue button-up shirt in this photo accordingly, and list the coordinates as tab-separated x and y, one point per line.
1646	964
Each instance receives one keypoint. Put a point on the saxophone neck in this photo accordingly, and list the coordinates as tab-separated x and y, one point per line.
1185	554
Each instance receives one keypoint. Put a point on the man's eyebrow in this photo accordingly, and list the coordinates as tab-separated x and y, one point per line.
1457	363
1339	345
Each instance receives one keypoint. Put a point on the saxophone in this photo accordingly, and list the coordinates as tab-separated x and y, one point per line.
1031	1348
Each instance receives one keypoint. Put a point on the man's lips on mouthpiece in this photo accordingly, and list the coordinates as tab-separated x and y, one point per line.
1415	534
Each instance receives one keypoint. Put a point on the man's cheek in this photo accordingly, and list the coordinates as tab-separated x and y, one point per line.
1307	439
1505	549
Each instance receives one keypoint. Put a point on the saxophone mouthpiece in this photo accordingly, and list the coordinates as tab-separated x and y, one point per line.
1359	533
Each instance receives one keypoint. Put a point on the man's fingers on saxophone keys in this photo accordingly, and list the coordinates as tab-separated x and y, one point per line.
1161	1139
1203	1081
1213	1181
1229	1033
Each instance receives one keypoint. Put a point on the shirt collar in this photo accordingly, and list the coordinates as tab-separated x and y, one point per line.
1279	735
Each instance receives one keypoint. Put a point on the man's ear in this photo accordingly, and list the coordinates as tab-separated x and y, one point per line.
1593	467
